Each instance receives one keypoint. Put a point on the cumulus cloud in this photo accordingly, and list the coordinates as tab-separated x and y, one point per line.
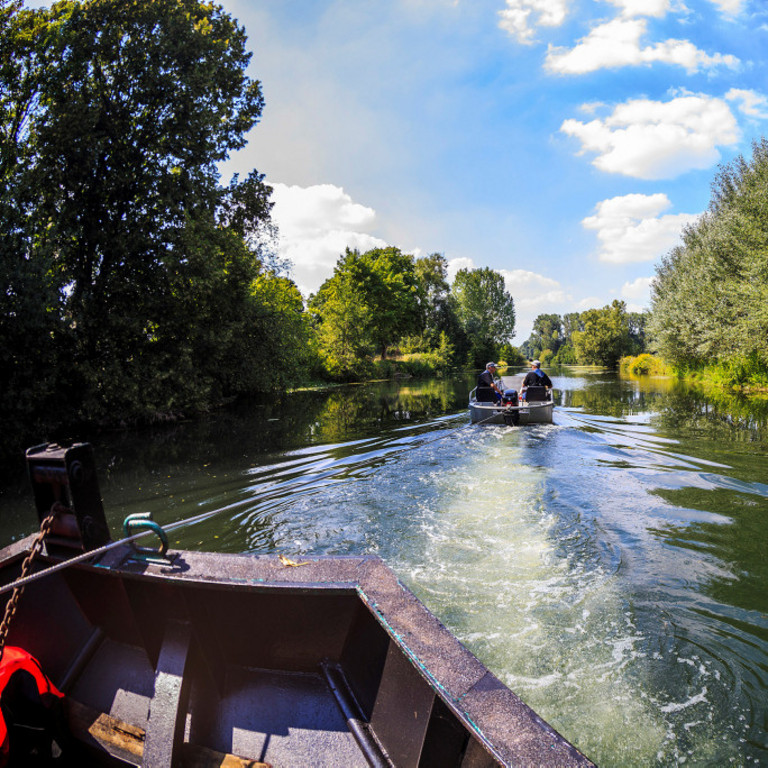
655	8
531	289
658	140
637	291
591	302
534	294
316	224
617	43
751	103
631	228
454	265
521	17
729	7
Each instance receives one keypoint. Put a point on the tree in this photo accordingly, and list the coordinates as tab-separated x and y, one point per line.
605	337
547	334
637	323
368	303
390	292
486	311
125	257
710	294
30	312
342	322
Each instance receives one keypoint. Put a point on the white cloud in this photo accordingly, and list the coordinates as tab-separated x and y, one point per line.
729	7
616	43
590	302
655	8
658	140
520	17
631	228
752	103
534	294
316	224
637	293
454	265
530	289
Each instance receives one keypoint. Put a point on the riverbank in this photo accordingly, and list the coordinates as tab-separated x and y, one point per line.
746	377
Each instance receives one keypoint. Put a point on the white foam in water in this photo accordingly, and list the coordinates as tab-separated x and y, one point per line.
549	619
532	546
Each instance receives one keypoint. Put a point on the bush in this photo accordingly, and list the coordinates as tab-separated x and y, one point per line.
644	365
565	356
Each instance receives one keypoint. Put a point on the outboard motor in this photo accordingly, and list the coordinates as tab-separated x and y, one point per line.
509	397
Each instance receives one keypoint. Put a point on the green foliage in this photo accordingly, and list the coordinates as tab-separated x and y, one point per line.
547	334
511	355
566	355
605	337
486	312
644	364
368	304
710	295
135	286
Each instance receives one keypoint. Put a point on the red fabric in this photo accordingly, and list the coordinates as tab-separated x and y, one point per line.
13	660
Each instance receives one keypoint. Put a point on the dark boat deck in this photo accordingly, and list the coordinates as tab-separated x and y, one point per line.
331	663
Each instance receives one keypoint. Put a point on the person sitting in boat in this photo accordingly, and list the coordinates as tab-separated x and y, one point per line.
487	389
535	378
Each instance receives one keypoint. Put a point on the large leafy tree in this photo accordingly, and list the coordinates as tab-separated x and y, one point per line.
140	283
390	294
143	100
368	304
486	311
30	316
547	333
710	295
605	335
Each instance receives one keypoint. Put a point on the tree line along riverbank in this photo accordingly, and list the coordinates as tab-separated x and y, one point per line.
138	286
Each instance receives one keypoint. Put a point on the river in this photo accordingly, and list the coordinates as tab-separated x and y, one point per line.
611	568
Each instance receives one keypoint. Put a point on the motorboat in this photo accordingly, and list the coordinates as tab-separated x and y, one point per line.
536	408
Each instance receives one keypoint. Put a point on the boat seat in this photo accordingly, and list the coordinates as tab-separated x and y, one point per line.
485	395
536	394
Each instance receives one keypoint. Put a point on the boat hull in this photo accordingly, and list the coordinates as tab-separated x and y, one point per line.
329	661
520	415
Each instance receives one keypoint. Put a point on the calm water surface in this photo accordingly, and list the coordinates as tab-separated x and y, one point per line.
611	568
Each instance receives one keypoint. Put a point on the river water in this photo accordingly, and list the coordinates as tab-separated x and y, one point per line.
611	568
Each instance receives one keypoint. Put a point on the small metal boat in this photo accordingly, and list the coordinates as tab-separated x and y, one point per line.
537	408
177	658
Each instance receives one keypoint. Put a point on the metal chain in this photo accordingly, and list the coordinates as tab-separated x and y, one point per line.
37	545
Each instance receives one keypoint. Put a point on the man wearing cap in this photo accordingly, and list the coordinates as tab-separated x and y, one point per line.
535	378
487	390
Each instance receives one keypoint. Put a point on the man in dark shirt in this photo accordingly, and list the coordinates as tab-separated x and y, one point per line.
536	377
487	391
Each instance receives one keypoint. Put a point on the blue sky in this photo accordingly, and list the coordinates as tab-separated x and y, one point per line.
564	143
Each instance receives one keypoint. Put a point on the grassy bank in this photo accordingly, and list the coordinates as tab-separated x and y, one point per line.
748	376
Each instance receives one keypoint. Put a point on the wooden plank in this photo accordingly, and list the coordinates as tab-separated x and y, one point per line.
114	735
109	732
195	756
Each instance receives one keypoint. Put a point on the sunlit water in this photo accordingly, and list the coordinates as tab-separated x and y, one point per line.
611	568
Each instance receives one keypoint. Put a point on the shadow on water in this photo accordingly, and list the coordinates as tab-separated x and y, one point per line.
610	568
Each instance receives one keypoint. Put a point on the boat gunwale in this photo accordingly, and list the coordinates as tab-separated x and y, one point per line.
506	727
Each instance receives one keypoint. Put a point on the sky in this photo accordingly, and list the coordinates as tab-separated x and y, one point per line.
563	143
